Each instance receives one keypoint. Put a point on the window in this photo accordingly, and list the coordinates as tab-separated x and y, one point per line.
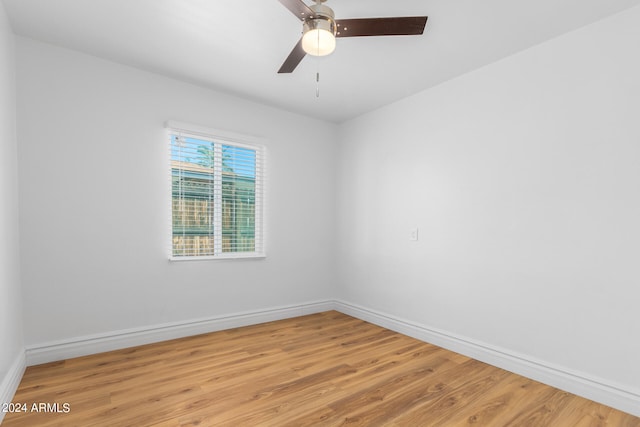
216	194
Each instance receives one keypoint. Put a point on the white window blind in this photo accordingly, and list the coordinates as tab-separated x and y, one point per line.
217	200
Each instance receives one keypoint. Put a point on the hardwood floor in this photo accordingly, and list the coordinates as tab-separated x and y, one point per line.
325	369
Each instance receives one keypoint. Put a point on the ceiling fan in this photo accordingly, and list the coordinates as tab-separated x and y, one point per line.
320	29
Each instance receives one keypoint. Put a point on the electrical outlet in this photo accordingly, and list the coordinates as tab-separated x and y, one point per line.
413	234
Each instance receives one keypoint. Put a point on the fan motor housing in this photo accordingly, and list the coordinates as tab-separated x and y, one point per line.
323	19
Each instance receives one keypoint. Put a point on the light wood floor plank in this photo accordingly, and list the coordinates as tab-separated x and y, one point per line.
326	369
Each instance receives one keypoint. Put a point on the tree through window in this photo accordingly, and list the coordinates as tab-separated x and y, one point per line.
216	197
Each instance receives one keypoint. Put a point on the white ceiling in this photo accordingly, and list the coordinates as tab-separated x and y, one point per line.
238	45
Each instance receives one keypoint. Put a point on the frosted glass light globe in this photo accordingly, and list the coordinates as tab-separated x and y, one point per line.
318	42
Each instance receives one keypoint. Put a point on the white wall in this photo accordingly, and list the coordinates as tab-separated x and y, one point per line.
524	180
94	201
11	343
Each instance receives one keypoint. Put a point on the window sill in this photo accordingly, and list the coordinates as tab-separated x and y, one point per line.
245	256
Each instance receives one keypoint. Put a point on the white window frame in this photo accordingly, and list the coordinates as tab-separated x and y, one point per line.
220	137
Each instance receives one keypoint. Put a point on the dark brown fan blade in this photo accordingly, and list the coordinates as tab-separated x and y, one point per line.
298	8
410	25
293	59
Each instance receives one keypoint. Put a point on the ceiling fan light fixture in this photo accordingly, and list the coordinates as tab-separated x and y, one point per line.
319	37
319	29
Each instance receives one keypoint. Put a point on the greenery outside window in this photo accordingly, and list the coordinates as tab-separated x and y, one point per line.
216	194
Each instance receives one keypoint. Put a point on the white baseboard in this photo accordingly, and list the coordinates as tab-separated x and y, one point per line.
599	390
92	344
11	381
596	389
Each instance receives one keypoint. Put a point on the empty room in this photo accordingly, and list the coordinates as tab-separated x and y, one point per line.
320	213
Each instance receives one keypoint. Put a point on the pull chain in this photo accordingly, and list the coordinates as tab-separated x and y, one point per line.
318	68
